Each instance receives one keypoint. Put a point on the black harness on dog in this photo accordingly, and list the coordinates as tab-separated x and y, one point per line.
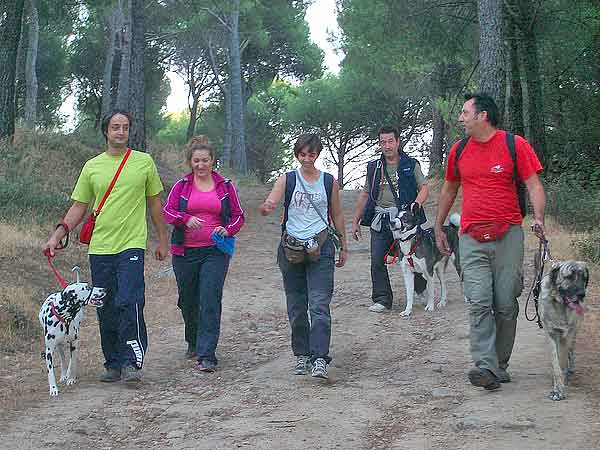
539	262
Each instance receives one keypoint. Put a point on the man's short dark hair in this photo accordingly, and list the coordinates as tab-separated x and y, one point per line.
388	130
310	140
485	102
110	115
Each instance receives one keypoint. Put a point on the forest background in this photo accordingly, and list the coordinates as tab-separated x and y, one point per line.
255	80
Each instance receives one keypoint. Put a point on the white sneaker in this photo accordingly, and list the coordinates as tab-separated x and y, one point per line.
377	307
319	368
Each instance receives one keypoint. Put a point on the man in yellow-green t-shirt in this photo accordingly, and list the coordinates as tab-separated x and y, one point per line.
118	243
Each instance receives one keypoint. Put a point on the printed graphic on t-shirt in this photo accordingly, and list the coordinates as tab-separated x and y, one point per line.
301	200
497	168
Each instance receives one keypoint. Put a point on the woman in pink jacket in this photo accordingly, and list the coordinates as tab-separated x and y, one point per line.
203	208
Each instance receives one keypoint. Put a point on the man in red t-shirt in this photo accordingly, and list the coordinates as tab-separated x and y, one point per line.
491	239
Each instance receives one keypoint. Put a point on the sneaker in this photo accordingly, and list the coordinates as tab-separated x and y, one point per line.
319	368
503	376
377	307
110	376
302	365
206	366
483	378
132	374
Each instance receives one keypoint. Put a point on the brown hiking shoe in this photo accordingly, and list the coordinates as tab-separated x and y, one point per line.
483	378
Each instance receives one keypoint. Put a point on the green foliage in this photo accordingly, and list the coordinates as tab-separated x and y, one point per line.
174	129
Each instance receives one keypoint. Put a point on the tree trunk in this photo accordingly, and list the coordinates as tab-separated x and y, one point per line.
31	81
191	129
341	154
436	154
11	13
531	67
514	94
122	102
491	59
237	114
137	98
228	137
113	24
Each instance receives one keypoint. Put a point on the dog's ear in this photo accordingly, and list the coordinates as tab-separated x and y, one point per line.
554	273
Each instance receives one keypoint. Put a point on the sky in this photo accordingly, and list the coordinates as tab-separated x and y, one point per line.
321	18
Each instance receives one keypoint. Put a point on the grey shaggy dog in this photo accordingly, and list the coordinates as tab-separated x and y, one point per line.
561	311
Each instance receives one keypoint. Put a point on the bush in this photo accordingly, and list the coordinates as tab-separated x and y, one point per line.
39	172
589	248
574	206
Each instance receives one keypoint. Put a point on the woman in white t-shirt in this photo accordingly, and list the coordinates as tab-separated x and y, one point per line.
306	255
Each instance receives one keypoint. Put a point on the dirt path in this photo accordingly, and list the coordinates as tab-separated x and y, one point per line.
394	383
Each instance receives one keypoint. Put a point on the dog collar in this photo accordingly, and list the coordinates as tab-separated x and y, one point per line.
413	249
57	314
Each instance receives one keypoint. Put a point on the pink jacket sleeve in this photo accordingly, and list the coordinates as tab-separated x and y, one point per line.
171	211
237	214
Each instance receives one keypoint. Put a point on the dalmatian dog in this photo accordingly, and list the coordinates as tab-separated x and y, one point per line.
60	317
420	255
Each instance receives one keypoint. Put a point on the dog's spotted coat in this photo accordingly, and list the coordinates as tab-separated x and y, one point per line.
60	317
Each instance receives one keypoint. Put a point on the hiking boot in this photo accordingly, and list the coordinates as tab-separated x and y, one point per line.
206	366
377	307
132	374
319	368
302	365
110	376
483	378
503	376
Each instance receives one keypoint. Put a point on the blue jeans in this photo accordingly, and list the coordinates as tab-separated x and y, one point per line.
309	287
122	327
200	275
380	279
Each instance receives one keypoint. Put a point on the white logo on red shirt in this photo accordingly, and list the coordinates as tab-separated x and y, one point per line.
497	168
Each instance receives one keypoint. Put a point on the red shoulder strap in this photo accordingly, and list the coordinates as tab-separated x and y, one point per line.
114	180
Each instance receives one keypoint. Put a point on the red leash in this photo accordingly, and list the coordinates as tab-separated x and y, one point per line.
60	279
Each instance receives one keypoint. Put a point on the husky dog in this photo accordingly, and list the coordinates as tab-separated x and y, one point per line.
561	311
60	317
421	256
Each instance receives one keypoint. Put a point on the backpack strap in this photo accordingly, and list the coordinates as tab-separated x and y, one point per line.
328	181
461	146
290	185
510	143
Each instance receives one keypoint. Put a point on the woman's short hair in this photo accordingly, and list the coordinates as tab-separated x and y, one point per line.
309	140
198	143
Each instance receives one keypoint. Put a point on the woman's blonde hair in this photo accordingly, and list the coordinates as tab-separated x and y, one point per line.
197	143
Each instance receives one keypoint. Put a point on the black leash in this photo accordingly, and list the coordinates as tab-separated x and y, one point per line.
539	262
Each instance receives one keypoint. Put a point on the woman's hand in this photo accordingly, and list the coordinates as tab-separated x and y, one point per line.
267	207
221	231
194	223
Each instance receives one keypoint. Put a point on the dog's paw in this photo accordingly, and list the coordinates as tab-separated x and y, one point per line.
406	313
53	391
71	381
557	395
443	303
429	307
